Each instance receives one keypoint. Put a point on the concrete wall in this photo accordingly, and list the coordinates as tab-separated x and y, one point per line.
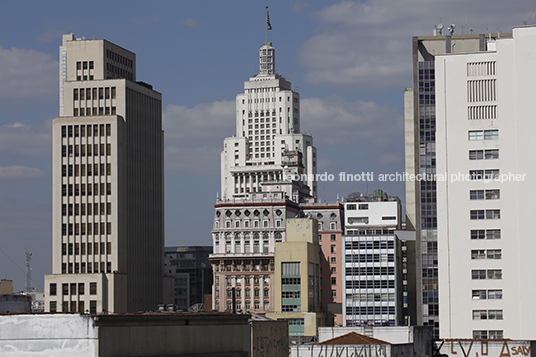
15	303
173	334
269	338
58	335
74	335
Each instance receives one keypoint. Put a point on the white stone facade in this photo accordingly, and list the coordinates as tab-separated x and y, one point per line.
485	128
267	126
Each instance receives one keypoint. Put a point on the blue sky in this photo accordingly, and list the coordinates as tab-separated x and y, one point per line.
349	60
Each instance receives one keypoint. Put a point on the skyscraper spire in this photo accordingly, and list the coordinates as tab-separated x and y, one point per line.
268	24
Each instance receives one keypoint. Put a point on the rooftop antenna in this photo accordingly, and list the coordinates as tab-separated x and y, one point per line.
450	29
268	25
28	287
440	28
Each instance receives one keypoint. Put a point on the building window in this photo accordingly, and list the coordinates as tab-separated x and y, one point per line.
333	281
53	289
495	274
478	254
333	249
93	288
351	207
53	306
333	260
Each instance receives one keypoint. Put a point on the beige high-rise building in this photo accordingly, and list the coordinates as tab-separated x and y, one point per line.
108	205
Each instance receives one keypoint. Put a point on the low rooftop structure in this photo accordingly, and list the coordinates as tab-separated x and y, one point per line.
148	334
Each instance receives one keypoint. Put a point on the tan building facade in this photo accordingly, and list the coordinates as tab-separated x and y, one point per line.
108	232
297	279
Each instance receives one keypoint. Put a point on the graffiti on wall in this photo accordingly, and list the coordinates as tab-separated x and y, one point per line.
343	351
483	348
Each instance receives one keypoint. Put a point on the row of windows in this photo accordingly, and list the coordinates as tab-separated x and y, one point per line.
96	93
247	281
487	314
486	254
370	310
95	111
487	294
485	214
371	297
483	134
247	307
118	58
492	274
83	190
80	150
247	293
493	194
80	170
370	284
80	248
485	334
290	294
119	72
353	207
75	289
370	232
80	130
80	268
369	258
80	228
85	65
256	224
370	271
484	154
492	174
370	245
75	306
290	281
77	209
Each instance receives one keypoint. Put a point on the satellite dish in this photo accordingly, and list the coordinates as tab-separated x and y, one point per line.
450	29
440	26
354	196
197	308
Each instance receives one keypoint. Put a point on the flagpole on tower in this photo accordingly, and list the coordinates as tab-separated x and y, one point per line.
268	25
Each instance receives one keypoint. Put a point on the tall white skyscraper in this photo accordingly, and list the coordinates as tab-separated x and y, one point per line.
420	152
267	170
485	122
108	205
267	127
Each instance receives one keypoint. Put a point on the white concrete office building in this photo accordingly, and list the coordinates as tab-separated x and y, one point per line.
371	261
108	213
485	105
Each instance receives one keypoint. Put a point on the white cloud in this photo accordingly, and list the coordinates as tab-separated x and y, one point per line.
20	173
335	121
194	136
23	140
368	44
27	73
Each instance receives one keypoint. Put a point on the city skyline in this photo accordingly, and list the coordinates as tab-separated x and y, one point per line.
349	61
